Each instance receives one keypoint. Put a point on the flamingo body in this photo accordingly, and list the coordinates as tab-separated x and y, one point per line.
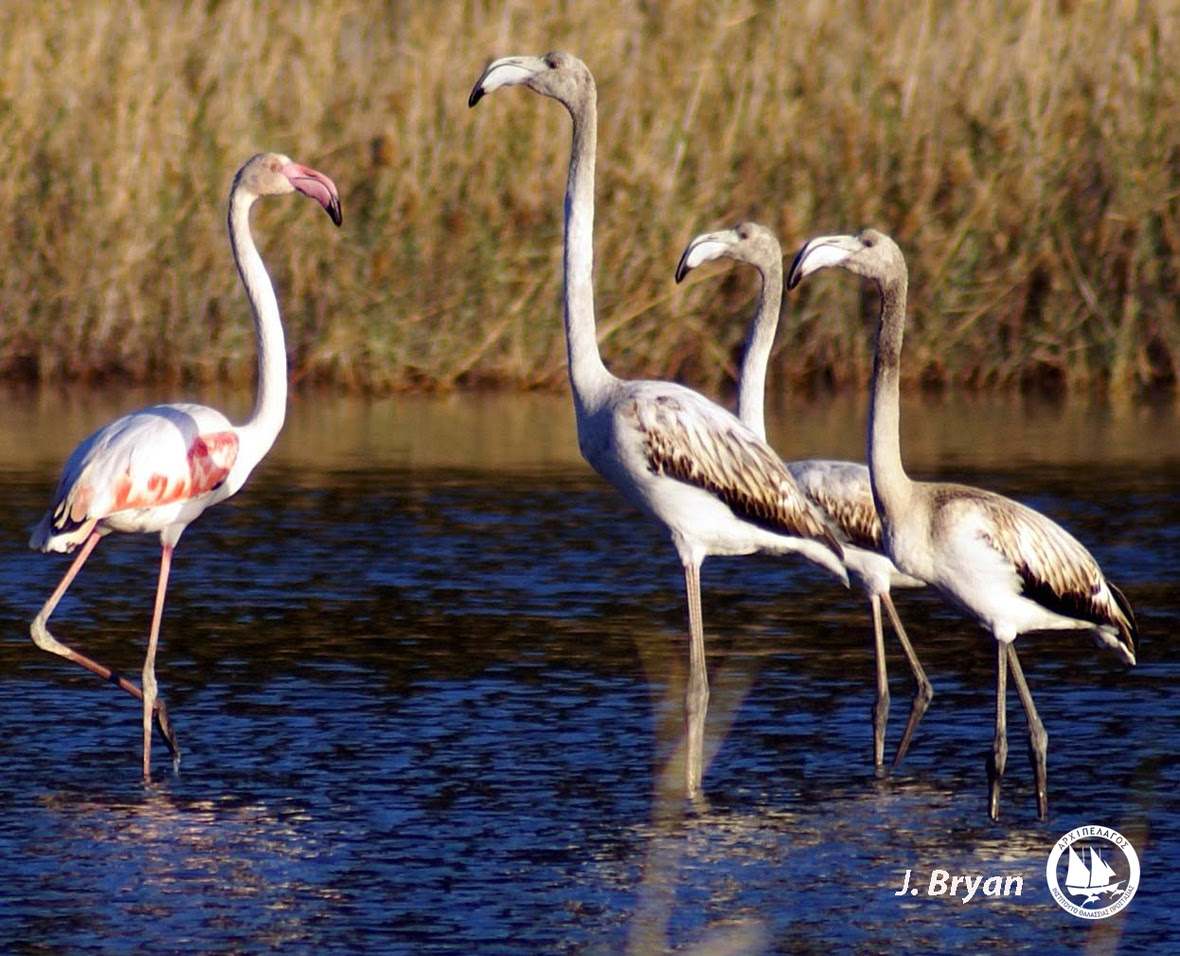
1012	569
154	470
842	490
697	470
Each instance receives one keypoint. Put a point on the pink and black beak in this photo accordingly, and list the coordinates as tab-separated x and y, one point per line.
317	186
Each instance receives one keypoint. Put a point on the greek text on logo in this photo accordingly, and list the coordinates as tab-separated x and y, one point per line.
1101	872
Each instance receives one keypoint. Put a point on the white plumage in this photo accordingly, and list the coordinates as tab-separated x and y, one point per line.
137	475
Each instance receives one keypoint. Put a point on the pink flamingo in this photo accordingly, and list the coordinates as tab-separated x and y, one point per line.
157	469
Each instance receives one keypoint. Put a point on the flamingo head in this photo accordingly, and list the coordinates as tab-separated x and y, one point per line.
560	76
746	242
273	174
869	253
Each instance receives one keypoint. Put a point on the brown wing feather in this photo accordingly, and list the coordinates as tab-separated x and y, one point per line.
731	463
855	515
1055	569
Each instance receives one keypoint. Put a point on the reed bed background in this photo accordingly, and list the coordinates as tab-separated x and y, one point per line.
1026	156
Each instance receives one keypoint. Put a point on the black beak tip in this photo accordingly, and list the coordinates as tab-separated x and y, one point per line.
793	277
475	97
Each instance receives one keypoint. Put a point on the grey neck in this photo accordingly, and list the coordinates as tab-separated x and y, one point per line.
759	342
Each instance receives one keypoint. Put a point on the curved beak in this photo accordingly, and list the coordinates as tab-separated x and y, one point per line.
821	252
703	248
317	186
508	71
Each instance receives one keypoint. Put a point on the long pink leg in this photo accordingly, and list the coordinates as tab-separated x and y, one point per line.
149	661
47	642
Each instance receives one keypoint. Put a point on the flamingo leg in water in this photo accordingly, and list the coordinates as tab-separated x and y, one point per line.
47	642
922	693
696	698
999	755
881	704
1038	740
149	661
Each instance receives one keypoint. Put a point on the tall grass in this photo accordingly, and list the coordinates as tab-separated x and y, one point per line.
1025	155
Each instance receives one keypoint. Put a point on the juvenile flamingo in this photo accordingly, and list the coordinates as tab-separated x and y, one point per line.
157	469
1009	567
684	461
840	488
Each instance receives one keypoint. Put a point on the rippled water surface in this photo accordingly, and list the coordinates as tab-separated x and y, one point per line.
427	671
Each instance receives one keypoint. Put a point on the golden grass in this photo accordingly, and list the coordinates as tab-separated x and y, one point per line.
1025	155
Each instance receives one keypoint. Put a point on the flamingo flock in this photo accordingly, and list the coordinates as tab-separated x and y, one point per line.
704	475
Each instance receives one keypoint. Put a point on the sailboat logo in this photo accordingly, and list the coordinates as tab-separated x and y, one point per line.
1101	872
1093	880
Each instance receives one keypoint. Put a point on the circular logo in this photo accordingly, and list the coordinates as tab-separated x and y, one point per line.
1092	872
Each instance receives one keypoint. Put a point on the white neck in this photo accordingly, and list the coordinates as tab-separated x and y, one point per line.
892	487
589	378
270	407
752	378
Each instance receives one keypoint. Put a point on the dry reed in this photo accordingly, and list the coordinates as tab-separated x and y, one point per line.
1026	156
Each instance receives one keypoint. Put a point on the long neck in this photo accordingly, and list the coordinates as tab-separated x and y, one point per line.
270	406
752	379
892	487
588	376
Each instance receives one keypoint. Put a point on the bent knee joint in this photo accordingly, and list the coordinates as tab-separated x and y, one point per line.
44	640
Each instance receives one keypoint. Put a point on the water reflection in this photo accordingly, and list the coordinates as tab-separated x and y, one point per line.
494	431
434	706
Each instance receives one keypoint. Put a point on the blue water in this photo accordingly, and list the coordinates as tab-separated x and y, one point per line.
436	710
